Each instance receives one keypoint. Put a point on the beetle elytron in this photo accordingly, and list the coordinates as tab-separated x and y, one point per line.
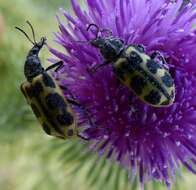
45	96
143	74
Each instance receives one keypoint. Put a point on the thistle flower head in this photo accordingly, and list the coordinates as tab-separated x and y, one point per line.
146	140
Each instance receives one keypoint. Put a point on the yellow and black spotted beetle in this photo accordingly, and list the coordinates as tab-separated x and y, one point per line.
45	97
145	75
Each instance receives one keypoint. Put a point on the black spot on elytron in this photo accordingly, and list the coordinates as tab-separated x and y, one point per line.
122	69
37	88
126	66
153	66
135	59
54	100
30	92
65	119
70	133
137	84
167	80
150	78
35	110
153	97
46	128
48	81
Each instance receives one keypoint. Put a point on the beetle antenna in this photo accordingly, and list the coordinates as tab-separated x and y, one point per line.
25	34
33	32
90	25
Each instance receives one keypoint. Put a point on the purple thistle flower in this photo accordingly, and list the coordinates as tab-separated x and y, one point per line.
150	141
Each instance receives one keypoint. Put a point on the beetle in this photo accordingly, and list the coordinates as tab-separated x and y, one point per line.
45	97
147	76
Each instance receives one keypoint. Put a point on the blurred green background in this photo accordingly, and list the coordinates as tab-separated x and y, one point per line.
29	159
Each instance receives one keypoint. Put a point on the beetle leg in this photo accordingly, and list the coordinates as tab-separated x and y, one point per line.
85	110
74	101
96	67
141	47
84	138
69	92
157	54
57	65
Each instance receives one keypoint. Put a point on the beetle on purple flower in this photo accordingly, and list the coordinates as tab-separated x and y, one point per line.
148	79
148	141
